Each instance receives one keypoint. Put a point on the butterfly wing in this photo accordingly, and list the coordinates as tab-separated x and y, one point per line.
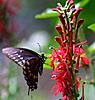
29	61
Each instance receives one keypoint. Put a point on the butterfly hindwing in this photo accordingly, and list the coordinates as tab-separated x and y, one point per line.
30	61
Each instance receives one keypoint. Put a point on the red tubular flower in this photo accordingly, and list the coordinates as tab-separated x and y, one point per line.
59	29
70	1
58	39
85	60
67	58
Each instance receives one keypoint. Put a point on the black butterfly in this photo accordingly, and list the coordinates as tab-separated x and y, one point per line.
30	61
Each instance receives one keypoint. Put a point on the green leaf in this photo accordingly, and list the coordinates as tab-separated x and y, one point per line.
91	49
92	27
89	92
12	85
82	3
47	62
47	14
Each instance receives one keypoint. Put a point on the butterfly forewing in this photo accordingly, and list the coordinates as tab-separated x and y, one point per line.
20	55
29	61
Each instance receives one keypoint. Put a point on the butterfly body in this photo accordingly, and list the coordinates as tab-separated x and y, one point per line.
30	61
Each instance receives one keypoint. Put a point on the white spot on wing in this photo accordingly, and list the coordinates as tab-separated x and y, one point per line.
11	55
20	63
23	61
20	51
13	58
16	54
16	60
21	58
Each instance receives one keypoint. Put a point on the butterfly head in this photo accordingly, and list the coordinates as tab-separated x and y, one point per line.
43	58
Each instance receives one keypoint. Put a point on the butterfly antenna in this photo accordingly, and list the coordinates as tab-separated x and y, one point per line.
39	47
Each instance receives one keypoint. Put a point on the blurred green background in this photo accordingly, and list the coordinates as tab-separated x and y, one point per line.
32	27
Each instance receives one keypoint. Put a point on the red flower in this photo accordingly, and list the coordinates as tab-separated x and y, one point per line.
78	54
67	58
85	60
61	73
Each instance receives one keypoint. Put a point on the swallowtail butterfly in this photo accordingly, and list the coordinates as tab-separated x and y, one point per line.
31	63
